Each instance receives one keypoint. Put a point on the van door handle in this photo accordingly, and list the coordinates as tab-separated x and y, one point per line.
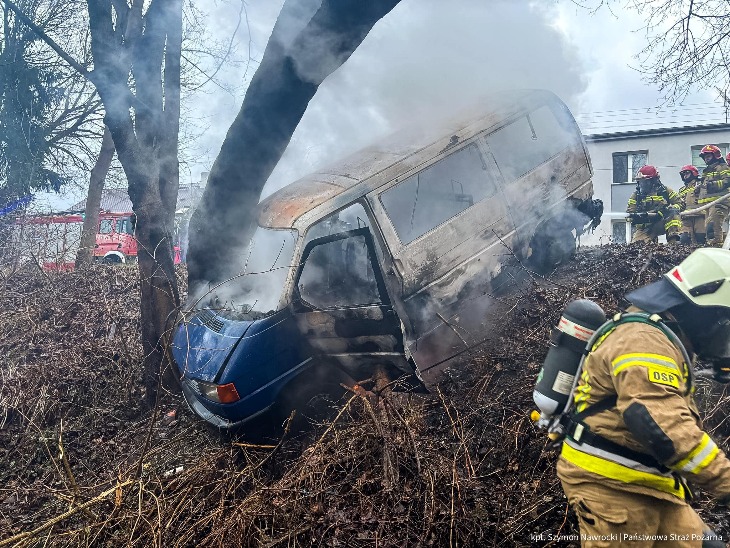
398	267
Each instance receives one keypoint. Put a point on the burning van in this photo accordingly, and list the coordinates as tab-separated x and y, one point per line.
390	259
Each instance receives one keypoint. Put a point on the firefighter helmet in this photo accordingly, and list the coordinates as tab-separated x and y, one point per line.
727	158
692	169
711	149
700	279
646	172
697	294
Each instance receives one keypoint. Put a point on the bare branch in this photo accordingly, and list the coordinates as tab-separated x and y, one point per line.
48	40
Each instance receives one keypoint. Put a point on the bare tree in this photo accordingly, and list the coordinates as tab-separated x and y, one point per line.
286	80
85	254
137	74
688	44
136	47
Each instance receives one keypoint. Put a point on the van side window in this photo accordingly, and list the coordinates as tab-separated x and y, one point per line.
350	218
105	226
521	146
427	199
339	273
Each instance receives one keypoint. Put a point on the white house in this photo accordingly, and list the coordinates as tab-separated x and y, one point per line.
616	157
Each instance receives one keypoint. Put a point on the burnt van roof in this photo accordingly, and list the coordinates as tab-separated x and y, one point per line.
283	208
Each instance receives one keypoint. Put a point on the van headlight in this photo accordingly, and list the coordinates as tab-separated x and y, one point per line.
220	393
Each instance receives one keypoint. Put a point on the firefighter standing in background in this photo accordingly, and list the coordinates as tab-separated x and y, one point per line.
715	184
693	226
636	436
653	208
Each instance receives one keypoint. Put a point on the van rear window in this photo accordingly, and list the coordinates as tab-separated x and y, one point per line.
521	146
438	193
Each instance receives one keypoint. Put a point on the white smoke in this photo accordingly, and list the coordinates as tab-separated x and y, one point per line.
424	60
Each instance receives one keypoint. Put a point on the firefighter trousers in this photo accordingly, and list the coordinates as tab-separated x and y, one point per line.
714	222
693	230
609	517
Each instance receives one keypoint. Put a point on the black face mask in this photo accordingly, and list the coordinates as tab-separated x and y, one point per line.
708	329
645	186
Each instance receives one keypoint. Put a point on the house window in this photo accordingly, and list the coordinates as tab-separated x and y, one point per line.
626	165
698	162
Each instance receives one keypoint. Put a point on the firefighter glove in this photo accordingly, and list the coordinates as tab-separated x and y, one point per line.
645	217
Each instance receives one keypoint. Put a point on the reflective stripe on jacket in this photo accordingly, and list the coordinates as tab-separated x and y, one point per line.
654	415
663	200
687	196
715	182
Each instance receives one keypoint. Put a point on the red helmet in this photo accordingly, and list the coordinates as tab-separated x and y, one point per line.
691	169
646	172
727	158
711	149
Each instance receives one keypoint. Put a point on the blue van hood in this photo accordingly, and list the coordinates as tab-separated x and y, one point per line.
201	346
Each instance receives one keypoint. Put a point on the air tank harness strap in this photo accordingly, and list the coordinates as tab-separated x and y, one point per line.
572	422
579	432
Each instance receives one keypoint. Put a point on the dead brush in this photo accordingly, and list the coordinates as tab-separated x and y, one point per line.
462	466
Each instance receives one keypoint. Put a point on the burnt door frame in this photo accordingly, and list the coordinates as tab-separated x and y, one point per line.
355	337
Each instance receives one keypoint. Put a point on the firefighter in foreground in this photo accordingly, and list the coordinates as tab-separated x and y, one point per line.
715	185
653	208
693	226
631	432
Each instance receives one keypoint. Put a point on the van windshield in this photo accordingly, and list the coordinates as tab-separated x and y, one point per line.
256	291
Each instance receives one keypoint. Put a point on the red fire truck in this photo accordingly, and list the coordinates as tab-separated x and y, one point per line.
115	241
53	240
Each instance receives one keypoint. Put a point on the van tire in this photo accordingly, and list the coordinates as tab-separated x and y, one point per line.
313	394
550	250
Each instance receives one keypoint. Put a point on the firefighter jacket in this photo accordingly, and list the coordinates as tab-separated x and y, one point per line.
688	196
715	182
654	435
660	199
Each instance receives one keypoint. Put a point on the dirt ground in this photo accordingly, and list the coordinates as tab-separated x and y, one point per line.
83	464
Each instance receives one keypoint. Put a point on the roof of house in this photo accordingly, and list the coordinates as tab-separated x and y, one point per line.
117	200
656	132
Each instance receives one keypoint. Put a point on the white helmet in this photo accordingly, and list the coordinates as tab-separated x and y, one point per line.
697	293
702	277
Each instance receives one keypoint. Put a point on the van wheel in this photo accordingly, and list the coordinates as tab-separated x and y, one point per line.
548	250
313	394
111	259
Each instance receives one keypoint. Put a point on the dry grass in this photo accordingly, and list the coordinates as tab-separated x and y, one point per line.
462	466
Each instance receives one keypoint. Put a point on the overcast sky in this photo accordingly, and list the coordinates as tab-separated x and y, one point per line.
429	57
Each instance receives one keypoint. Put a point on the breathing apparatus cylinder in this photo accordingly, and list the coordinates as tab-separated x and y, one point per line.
580	320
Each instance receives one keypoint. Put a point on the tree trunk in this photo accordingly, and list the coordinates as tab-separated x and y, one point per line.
159	290
144	126
85	254
285	82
